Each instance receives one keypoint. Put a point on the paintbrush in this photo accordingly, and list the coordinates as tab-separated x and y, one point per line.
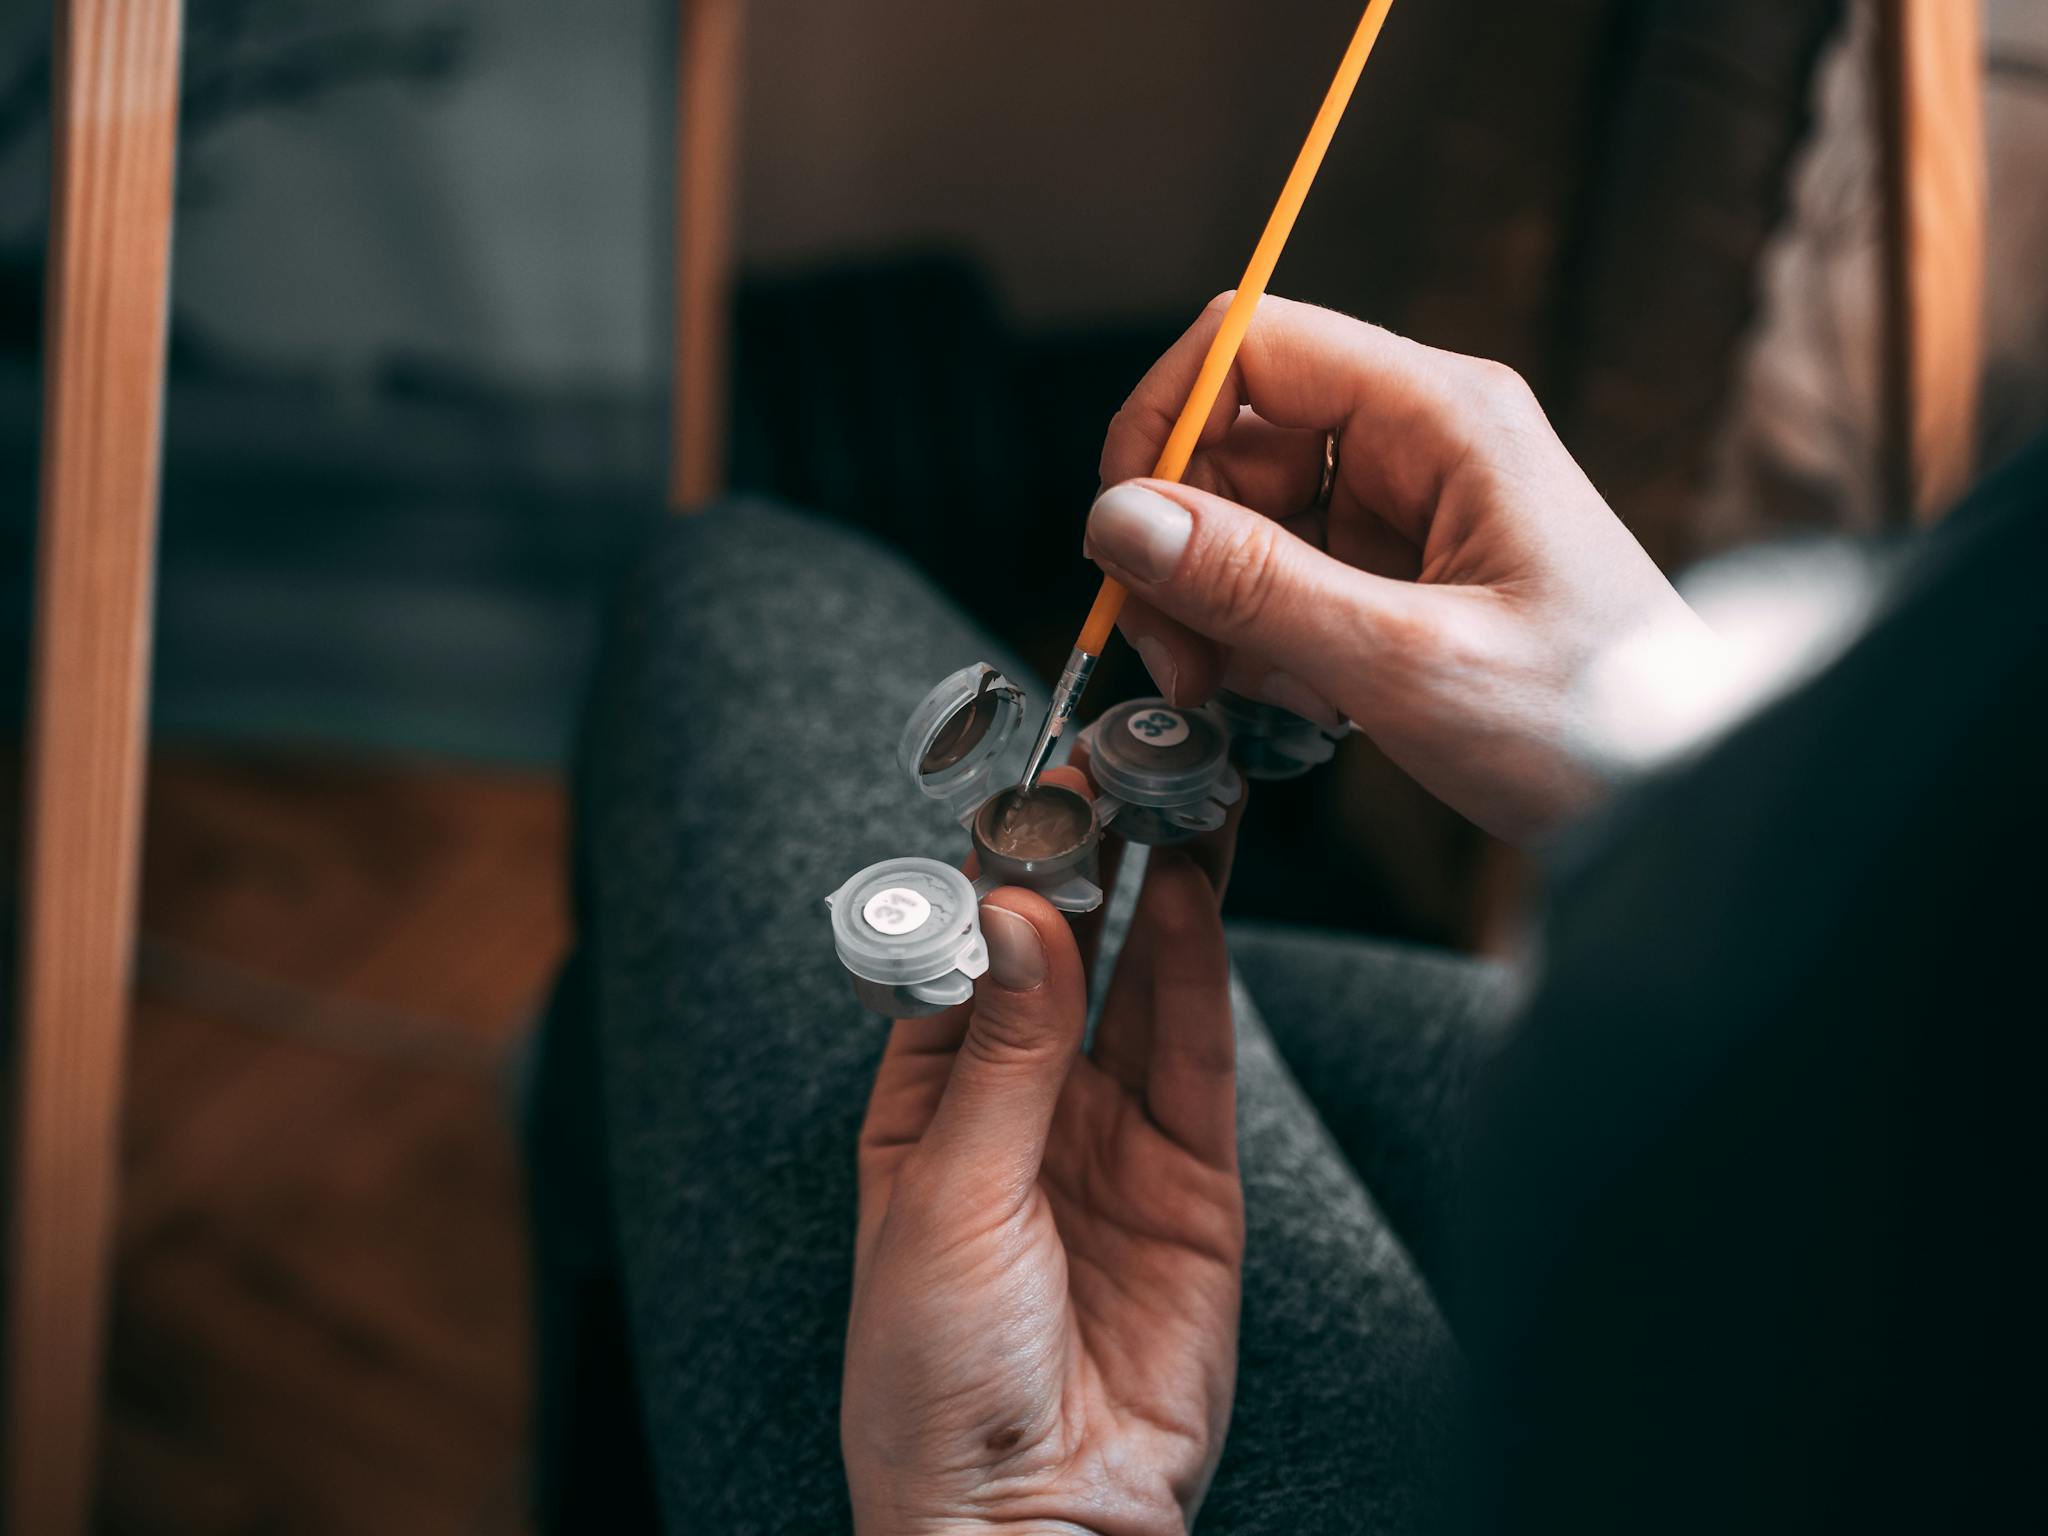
1237	319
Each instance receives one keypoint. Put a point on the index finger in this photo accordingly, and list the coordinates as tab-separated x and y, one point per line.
1191	1071
1404	413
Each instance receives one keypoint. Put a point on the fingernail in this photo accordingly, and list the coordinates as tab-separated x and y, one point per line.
1159	662
1291	693
1016	958
1139	531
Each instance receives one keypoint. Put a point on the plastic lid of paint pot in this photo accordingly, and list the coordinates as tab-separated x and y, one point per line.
908	920
1281	731
1263	719
1148	752
955	740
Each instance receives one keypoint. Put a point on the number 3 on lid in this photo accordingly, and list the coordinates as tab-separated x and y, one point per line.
1158	727
898	910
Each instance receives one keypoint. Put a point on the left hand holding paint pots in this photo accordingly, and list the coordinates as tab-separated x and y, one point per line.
1022	1203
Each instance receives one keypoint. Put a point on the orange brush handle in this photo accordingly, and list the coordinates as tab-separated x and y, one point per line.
1109	602
1237	319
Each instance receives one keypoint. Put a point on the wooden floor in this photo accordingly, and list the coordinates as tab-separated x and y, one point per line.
320	1306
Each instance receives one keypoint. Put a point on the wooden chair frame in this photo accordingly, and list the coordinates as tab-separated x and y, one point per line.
115	118
1931	104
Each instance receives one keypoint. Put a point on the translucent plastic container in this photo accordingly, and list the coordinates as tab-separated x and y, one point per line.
963	747
1164	773
1269	742
908	931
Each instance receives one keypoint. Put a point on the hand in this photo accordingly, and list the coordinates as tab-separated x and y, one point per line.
1454	598
1044	1328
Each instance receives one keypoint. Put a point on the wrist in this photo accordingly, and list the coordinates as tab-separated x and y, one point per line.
892	1523
901	1517
899	1505
869	1520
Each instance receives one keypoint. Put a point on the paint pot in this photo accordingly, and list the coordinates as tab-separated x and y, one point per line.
1164	773
959	739
963	746
908	932
1268	742
1045	839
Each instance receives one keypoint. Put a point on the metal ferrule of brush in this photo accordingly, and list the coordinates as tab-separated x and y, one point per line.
1066	696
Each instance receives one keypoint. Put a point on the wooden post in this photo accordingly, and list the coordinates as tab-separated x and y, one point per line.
1931	76
707	152
115	97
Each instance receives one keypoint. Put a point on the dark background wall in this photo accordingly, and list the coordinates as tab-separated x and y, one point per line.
421	309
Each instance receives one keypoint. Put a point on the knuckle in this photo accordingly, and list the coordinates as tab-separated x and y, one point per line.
1117	441
1503	385
1414	637
1136	434
1003	1037
1178	900
1241	575
1173	920
1457	644
1191	935
918	1191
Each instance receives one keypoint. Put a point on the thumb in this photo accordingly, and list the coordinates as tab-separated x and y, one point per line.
1022	1039
1239	578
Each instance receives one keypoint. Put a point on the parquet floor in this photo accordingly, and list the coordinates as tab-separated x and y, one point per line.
320	1303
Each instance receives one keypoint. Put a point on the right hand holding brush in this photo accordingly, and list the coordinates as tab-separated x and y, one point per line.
1451	596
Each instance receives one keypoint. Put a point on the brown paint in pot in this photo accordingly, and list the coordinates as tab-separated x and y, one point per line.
1035	824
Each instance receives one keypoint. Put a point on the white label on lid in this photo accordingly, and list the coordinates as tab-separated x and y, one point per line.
1158	727
898	910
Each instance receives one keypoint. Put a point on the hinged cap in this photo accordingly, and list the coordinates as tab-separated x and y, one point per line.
956	740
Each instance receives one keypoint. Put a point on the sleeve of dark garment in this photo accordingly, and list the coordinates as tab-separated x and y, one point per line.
1752	1204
